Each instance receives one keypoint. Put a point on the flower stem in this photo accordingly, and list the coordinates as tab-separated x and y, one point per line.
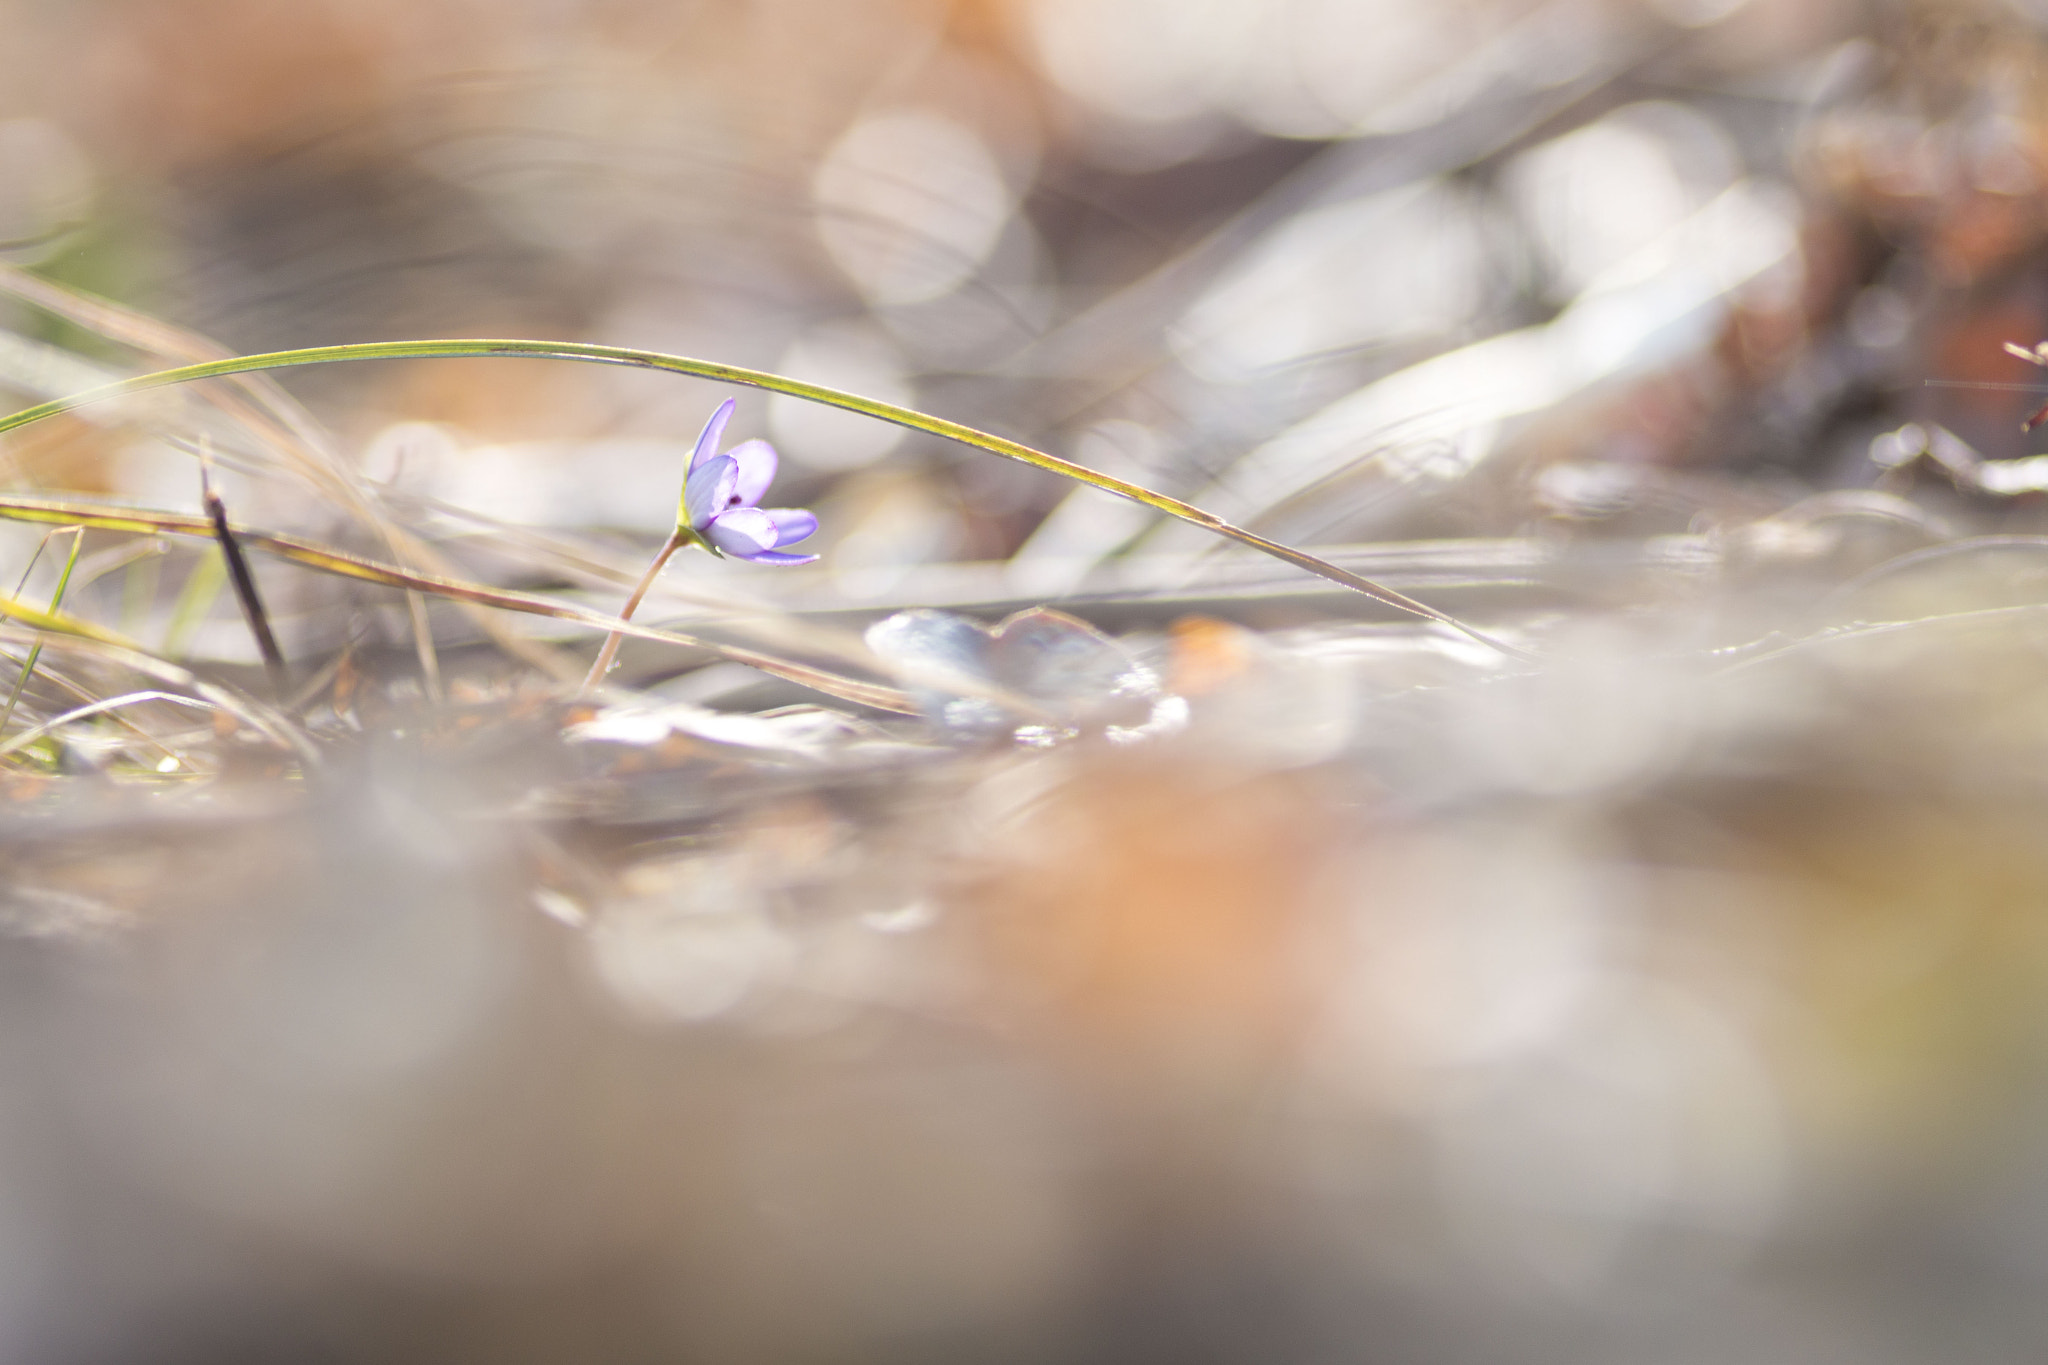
611	641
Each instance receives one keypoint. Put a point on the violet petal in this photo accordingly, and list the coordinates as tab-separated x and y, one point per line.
743	532
791	523
708	491
713	433
757	463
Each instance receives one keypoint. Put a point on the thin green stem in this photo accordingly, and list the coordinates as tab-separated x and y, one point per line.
610	650
774	383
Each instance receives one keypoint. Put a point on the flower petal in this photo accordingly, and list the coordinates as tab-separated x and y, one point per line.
791	523
743	532
757	470
777	557
708	491
713	433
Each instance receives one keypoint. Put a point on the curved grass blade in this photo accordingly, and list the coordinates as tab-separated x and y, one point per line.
96	708
262	407
774	383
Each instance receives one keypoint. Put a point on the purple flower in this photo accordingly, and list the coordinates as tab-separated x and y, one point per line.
718	510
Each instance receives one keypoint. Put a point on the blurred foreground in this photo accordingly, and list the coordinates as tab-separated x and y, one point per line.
1122	949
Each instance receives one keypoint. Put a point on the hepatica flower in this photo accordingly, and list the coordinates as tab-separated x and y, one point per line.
718	509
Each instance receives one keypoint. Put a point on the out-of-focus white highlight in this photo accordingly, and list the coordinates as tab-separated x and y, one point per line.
1333	67
691	949
1294	68
1616	188
909	204
1463	959
1410	261
1603	716
1148	60
845	356
1649	309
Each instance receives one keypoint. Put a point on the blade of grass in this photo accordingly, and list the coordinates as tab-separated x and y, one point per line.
198	592
142	570
774	383
28	666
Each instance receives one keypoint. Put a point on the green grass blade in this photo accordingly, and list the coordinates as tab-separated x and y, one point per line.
774	383
195	597
28	665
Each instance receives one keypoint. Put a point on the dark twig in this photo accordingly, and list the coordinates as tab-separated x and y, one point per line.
245	585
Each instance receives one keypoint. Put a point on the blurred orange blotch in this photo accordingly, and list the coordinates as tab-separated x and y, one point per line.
189	80
1208	654
496	402
1152	919
66	452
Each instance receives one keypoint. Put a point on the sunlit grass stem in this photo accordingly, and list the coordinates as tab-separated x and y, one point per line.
734	374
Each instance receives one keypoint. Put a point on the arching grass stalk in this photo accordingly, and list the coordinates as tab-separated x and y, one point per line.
774	383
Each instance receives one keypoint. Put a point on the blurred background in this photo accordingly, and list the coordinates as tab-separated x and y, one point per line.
1278	979
1350	270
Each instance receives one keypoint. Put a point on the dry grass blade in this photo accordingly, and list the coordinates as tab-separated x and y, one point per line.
96	708
325	559
70	634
